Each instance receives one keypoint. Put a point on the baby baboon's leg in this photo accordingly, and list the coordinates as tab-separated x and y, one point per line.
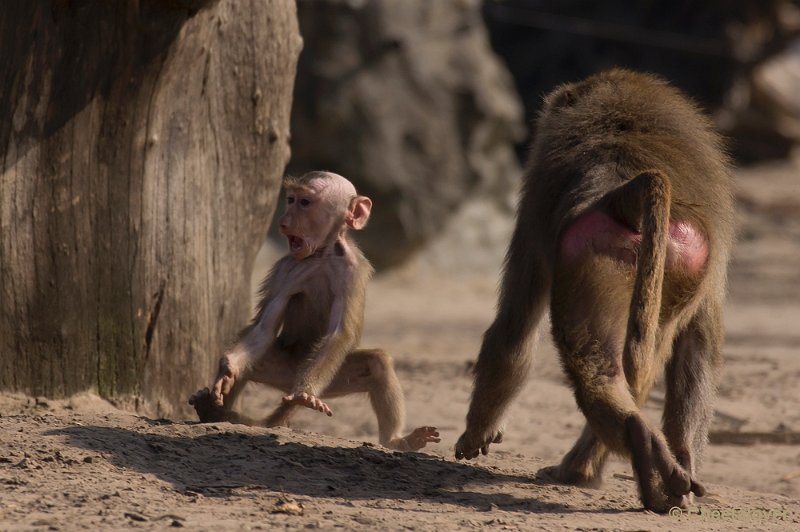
278	369
274	369
691	382
372	371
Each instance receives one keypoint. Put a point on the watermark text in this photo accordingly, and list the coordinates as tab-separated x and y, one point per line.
732	514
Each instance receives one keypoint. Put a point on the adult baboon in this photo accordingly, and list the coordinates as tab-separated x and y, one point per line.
625	225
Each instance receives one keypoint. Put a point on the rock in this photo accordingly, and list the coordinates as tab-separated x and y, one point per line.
770	124
474	240
407	100
708	49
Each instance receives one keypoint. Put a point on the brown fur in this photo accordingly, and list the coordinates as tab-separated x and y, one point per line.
309	319
632	148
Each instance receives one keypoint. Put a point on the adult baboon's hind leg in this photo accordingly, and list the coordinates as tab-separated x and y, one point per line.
690	386
583	464
618	423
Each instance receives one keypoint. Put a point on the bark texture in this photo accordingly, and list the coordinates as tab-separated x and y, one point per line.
141	149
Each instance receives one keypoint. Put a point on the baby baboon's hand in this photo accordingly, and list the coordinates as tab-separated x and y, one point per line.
417	439
226	377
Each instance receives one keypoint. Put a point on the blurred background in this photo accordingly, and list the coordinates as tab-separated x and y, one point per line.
428	106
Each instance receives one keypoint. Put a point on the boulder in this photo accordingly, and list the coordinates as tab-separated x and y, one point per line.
407	100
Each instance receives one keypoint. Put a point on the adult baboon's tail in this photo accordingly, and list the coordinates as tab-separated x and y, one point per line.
638	354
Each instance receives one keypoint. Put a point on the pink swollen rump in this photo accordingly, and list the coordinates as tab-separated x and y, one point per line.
598	233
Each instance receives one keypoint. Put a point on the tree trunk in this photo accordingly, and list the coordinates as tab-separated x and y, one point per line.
142	145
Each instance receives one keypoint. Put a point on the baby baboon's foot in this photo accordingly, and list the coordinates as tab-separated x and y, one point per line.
206	407
469	445
417	439
308	401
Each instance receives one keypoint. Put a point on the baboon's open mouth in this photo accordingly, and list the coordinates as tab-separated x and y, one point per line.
295	243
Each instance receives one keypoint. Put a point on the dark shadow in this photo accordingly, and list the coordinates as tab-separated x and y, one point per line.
228	463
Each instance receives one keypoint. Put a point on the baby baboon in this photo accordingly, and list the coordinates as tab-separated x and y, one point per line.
304	336
625	225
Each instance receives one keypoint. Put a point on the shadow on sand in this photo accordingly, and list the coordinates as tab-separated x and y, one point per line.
228	463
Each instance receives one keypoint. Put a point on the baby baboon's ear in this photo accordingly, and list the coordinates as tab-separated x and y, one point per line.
358	212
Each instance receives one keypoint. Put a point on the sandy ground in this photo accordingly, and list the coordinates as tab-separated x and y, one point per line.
82	463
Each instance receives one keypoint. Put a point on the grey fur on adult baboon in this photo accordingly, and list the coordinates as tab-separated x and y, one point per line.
625	225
